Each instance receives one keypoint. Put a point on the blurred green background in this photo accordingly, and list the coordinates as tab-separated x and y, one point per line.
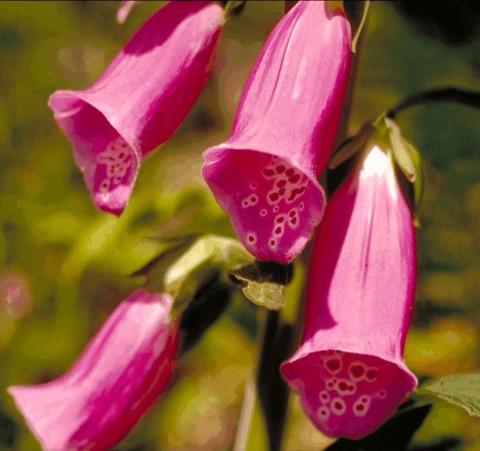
70	263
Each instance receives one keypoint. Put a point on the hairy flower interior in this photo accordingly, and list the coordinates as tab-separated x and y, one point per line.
349	395
272	204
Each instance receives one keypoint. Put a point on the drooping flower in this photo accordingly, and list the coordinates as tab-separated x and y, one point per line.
116	379
141	99
349	369
265	175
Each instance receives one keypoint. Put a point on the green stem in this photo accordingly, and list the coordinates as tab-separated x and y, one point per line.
265	392
449	94
272	390
363	20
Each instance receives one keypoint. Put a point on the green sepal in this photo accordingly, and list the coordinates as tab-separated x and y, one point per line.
408	159
263	283
419	173
233	8
351	146
182	269
401	151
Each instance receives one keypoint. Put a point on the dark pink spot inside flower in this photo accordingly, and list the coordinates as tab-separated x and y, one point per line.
371	374
333	364
294	178
289	172
230	174
293	194
280	169
353	416
357	370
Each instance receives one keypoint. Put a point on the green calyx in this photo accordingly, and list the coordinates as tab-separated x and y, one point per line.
233	8
407	157
183	269
385	134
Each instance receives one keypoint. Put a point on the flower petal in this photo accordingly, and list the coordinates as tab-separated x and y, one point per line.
273	206
141	99
283	133
349	370
117	378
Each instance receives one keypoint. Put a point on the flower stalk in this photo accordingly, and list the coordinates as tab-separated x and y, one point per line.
450	94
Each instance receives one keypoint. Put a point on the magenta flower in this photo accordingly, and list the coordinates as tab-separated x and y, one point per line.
349	370
141	99
265	175
117	378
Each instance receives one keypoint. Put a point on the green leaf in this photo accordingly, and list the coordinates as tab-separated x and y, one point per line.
460	389
263	283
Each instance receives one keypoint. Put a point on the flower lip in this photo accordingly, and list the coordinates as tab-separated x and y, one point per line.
347	394
108	161
273	205
360	294
132	105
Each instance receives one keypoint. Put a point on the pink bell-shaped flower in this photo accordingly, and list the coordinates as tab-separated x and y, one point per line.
141	99
265	175
349	369
116	379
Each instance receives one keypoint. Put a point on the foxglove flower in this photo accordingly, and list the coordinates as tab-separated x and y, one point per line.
141	99
265	175
117	378
349	369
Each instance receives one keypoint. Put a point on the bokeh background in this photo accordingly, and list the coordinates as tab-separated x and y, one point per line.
64	265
